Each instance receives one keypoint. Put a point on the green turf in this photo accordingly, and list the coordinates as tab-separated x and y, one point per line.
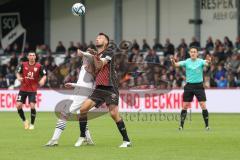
151	139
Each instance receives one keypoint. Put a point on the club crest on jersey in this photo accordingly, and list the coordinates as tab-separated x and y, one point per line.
26	68
35	69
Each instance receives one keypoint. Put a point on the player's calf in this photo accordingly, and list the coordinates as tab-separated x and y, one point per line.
21	115
183	114
33	117
120	124
205	114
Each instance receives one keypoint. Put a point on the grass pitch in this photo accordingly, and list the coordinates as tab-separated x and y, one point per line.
152	139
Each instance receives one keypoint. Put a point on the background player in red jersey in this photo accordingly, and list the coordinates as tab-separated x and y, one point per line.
31	75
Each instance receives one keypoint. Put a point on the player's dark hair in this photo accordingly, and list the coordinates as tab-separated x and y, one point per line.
32	52
106	36
194	47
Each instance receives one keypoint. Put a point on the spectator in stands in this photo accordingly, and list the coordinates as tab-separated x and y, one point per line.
3	82
227	43
13	60
218	44
207	83
67	57
48	57
145	46
15	48
26	48
64	69
47	48
231	81
211	74
38	49
156	77
209	44
42	49
50	66
233	64
179	80
134	55
169	48
195	43
220	53
182	44
79	46
84	46
237	43
157	46
60	48
91	45
53	80
171	71
172	81
72	48
222	82
8	50
10	77
135	45
124	85
152	57
219	73
182	54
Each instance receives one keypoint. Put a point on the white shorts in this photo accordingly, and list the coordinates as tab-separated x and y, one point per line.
85	79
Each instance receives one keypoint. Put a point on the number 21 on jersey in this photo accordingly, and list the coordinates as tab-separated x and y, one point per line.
30	75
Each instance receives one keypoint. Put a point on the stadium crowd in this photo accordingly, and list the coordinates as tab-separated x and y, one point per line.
137	66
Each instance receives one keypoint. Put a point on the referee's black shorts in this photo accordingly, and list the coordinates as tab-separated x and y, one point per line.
103	94
191	89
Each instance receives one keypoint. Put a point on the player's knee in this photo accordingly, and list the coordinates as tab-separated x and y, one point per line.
202	105
114	113
115	116
32	105
19	105
83	110
186	105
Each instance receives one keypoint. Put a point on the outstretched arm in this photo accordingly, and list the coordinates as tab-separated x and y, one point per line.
173	61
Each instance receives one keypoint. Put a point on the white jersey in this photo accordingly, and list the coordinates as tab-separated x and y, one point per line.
85	85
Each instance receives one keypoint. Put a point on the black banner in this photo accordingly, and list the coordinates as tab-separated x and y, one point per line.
31	20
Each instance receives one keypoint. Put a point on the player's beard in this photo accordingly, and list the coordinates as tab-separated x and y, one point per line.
100	46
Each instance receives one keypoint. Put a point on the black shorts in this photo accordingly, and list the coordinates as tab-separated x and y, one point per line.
191	89
22	96
106	94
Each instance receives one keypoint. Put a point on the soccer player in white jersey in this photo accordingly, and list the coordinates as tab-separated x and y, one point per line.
83	88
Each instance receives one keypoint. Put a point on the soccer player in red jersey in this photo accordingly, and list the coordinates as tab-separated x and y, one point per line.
31	75
106	90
